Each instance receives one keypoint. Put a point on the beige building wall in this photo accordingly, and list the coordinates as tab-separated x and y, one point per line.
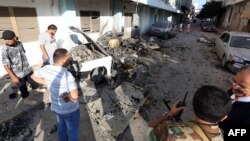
232	19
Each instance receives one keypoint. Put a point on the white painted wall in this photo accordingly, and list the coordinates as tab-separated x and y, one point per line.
47	14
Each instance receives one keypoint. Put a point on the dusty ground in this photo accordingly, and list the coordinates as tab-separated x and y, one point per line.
187	66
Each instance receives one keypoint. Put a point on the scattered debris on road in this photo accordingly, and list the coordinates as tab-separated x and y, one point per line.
16	129
113	108
204	39
142	72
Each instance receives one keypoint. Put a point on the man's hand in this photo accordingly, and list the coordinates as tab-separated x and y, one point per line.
66	98
175	110
39	80
16	80
46	58
45	54
167	116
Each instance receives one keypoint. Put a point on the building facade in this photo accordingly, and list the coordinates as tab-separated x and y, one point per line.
28	18
236	16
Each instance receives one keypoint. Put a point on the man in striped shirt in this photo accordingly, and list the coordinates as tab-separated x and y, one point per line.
64	94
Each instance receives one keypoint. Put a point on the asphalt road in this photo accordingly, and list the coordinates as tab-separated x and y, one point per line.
188	65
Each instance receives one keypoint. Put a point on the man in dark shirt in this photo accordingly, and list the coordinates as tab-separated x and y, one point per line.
240	112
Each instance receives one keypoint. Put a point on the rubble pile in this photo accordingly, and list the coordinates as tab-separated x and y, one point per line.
206	40
114	109
127	58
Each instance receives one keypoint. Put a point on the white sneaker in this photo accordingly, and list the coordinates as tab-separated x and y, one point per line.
29	101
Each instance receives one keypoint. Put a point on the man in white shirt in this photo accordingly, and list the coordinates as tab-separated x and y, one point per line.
64	94
47	43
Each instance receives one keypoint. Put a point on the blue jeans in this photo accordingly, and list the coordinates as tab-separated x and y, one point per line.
68	126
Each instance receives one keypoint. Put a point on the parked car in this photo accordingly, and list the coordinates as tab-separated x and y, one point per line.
161	28
233	48
208	26
202	21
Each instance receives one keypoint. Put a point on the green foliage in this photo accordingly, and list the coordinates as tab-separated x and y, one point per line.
210	10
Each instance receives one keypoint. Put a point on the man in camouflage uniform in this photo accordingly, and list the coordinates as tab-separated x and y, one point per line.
210	105
16	64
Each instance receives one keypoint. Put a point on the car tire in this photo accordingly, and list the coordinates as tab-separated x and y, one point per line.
224	62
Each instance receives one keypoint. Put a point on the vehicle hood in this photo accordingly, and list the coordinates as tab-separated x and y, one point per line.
242	53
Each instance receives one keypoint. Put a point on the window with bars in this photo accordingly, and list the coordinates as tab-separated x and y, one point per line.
90	21
128	19
23	21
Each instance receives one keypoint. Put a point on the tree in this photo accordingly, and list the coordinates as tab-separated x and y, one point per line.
210	10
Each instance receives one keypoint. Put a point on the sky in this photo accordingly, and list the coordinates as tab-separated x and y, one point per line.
198	3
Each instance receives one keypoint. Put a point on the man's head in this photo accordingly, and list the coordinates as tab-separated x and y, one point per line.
211	104
241	82
9	37
52	29
61	57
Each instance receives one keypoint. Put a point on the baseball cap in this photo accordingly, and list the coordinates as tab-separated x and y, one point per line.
8	34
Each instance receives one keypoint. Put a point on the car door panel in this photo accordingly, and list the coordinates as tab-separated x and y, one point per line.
222	44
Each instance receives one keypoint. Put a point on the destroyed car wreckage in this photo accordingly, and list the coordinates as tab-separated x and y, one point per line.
123	64
110	58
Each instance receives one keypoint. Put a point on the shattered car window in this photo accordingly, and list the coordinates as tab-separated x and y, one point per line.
240	42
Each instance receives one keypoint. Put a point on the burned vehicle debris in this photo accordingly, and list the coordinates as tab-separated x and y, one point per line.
125	57
123	64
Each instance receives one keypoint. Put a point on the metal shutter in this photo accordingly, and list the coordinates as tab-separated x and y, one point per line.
26	19
5	22
128	20
95	21
85	20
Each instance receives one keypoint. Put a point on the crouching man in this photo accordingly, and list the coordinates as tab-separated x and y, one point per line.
210	105
64	94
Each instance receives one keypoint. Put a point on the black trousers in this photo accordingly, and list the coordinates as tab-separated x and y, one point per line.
23	87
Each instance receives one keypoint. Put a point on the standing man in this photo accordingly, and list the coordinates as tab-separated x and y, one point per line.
48	45
16	64
240	112
64	94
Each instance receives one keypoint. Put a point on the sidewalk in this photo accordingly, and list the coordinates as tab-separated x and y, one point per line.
11	108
